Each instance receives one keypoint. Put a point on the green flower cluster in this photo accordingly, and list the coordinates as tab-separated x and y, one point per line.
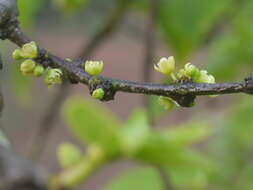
29	67
189	72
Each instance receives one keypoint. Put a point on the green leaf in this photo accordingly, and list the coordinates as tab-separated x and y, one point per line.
168	146
136	179
245	178
68	155
134	132
187	134
186	23
92	123
188	177
158	150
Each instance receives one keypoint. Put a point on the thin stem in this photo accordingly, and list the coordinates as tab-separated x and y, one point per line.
174	78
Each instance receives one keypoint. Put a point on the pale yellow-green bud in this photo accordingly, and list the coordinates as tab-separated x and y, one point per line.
68	59
165	65
191	71
211	79
17	54
68	155
95	152
98	93
27	67
206	78
38	71
167	103
30	50
181	74
94	67
54	76
203	76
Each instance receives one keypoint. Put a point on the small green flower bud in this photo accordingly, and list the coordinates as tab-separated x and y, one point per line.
68	155
181	74
191	71
165	66
94	67
98	93
30	50
38	71
17	54
54	76
206	78
68	59
203	76
211	79
27	67
95	152
167	103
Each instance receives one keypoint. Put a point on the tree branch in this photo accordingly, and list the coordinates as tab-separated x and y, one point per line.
184	93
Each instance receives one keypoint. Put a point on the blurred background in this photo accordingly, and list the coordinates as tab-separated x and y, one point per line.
214	35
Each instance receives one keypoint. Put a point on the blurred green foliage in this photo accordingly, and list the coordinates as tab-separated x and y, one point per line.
222	28
135	140
232	148
28	10
141	178
69	6
233	48
68	155
92	124
185	24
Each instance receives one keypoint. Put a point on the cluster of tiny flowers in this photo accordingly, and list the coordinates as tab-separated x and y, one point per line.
189	72
28	66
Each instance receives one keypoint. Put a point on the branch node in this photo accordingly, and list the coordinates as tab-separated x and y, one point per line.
249	84
185	100
107	86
